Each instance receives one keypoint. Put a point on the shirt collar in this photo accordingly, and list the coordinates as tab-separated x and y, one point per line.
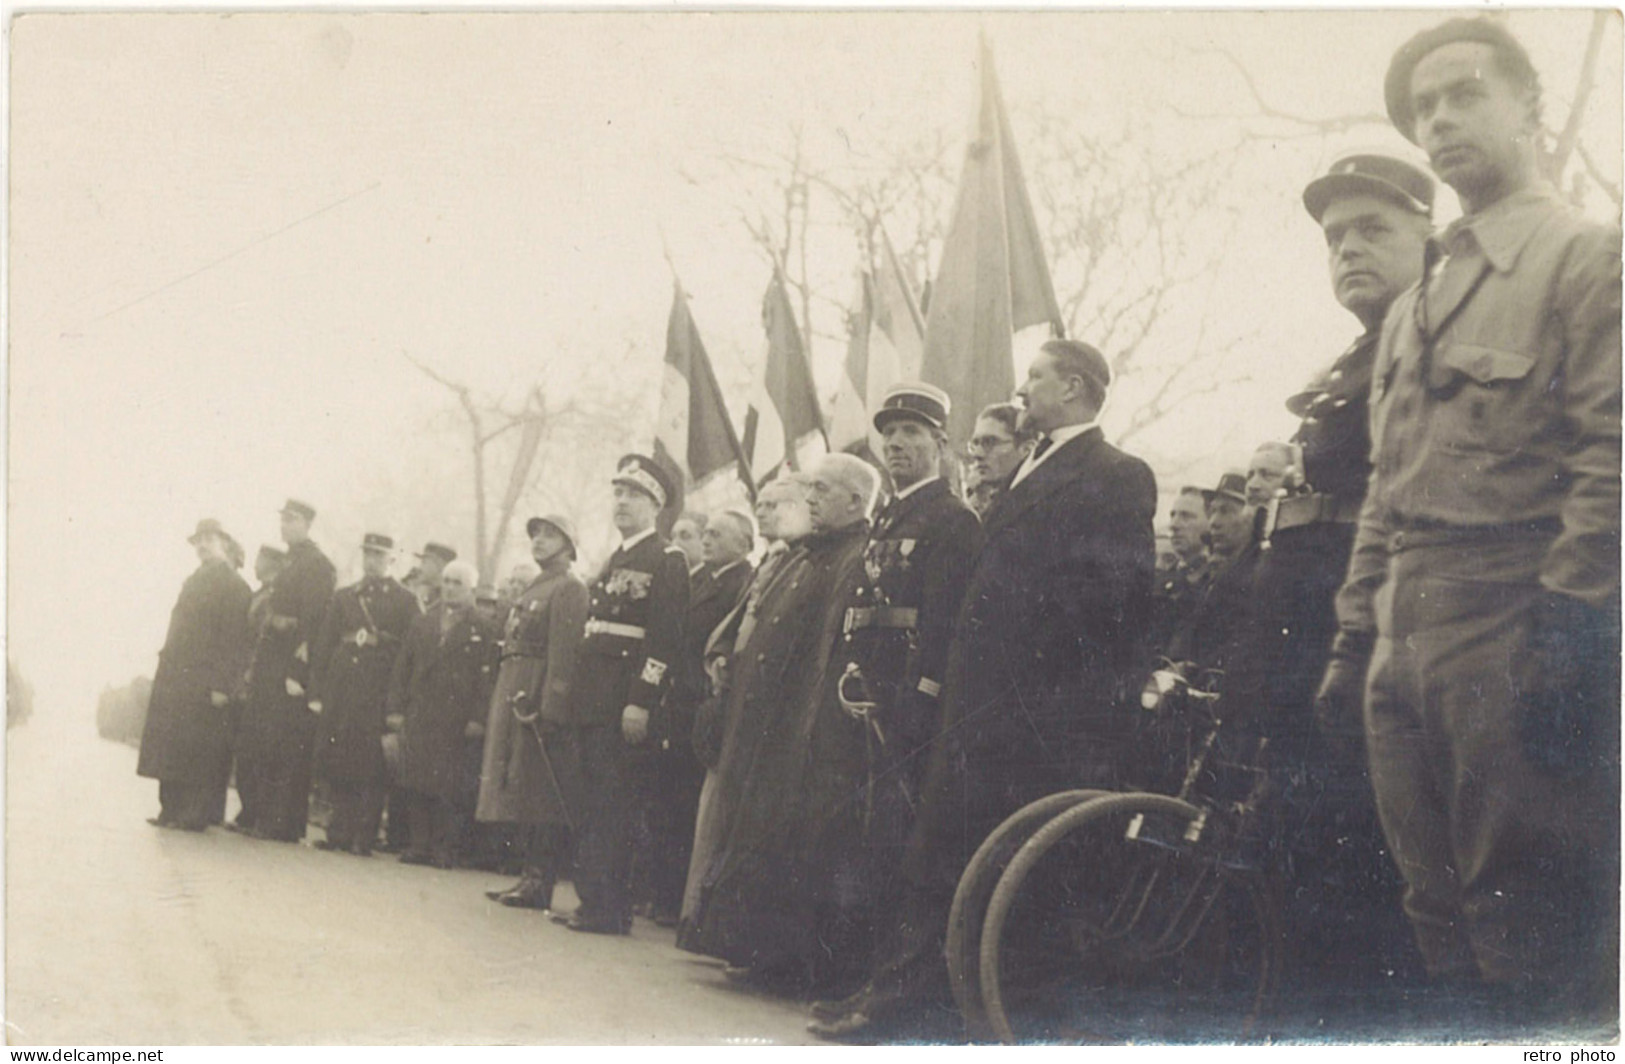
1503	228
916	486
725	568
628	544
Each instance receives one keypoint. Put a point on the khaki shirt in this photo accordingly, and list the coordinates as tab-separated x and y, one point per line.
1522	422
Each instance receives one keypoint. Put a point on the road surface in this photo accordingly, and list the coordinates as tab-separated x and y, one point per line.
120	932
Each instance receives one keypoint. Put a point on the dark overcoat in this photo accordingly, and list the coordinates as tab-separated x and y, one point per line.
276	725
186	736
1048	648
441	683
791	774
539	646
351	662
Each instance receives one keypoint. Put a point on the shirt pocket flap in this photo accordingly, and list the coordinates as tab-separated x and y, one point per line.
1486	365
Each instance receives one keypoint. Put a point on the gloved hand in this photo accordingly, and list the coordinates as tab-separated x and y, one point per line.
634	724
1340	702
1574	652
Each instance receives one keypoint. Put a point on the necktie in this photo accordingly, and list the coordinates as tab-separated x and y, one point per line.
1044	444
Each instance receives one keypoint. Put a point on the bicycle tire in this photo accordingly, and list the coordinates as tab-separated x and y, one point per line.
975	888
1256	902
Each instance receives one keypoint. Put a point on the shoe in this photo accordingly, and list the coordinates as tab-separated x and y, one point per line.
742	974
237	827
160	821
665	919
527	899
327	845
360	851
498	895
852	1026
562	919
413	857
198	826
834	1010
591	925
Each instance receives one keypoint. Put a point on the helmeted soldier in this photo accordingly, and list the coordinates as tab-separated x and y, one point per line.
623	671
351	662
901	608
279	730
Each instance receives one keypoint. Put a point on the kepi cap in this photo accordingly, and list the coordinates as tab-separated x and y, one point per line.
916	400
1396	87
299	508
645	474
1371	174
377	541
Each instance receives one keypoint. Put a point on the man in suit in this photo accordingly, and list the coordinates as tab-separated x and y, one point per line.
350	666
623	671
715	587
1048	645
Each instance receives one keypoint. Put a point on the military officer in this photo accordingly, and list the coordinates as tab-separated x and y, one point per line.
624	669
900	612
279	730
350	669
1484	583
1374	211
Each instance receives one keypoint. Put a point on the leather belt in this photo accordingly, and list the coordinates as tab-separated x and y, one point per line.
629	631
881	617
1438	534
1294	511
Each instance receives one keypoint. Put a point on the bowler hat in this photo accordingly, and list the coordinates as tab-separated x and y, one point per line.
647	475
916	401
274	554
1372	174
1232	485
207	527
1396	87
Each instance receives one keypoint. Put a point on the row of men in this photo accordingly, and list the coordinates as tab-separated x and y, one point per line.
884	693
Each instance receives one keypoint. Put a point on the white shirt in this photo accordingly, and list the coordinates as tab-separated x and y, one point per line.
1057	438
912	488
633	541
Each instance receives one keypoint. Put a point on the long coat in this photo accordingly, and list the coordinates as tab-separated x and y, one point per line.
791	775
351	661
1048	647
440	685
712	596
276	725
187	736
539	646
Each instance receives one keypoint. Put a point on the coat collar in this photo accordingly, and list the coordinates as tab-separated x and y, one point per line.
902	505
1049	476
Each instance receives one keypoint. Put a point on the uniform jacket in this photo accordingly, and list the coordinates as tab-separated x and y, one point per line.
1047	646
539	649
206	647
274	721
1335	434
713	595
918	558
440	684
1176	594
644	590
351	661
1517	419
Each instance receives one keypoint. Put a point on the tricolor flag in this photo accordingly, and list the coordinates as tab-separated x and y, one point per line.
784	428
993	279
885	345
695	433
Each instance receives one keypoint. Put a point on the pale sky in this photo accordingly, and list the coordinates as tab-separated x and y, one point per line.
225	231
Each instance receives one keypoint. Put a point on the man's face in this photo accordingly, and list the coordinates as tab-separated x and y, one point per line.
685	536
910	451
429	567
781	513
830	503
1186	523
634	510
456	590
993	452
266	569
1266	473
545	545
1472	121
375	563
1045	393
1374	249
293	528
722	543
1230	525
210	548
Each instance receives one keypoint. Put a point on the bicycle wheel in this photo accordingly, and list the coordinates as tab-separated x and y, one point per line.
975	887
1112	924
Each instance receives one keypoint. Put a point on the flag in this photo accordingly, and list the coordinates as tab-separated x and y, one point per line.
884	347
784	428
993	279
695	434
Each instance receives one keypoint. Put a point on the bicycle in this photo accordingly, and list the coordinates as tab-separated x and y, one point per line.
1167	900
